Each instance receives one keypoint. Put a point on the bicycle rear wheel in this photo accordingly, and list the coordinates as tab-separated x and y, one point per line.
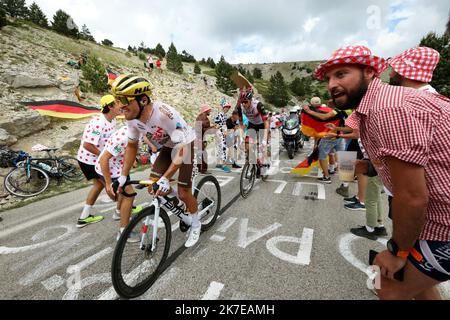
248	177
208	193
134	267
70	168
19	183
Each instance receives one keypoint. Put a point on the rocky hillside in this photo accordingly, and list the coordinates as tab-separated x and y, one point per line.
33	67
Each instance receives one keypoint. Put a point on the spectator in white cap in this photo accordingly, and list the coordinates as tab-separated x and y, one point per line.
414	68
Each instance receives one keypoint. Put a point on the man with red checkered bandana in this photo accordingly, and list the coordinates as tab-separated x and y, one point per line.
405	133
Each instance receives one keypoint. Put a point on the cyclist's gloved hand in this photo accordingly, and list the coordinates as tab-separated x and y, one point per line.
163	185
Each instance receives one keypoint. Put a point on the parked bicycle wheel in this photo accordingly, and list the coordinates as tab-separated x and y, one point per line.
135	267
207	192
248	177
26	183
70	168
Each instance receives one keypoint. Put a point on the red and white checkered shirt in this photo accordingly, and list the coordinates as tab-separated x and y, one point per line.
412	126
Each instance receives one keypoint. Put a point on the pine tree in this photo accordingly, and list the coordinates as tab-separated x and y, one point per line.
159	51
210	62
15	8
63	24
278	93
173	60
107	43
3	21
442	73
297	87
224	71
37	16
86	34
197	69
257	73
95	73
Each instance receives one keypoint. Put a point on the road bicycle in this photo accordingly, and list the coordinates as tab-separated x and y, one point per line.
136	266
31	176
252	171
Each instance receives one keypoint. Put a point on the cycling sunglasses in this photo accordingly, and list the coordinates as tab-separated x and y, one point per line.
126	100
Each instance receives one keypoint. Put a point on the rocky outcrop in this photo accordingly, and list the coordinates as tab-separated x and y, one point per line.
24	124
17	81
6	139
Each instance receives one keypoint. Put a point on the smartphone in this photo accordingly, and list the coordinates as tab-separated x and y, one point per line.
397	276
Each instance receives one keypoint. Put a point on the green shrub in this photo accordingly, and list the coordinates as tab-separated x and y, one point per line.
3	21
94	72
142	56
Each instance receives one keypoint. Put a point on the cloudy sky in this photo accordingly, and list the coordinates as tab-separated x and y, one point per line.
257	31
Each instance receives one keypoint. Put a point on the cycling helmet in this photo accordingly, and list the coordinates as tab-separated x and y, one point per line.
246	94
106	100
131	86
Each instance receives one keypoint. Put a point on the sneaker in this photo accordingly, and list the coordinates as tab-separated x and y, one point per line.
136	210
226	169
116	216
380	231
132	238
343	191
194	236
219	166
362	232
351	200
357	206
326	180
235	166
332	171
89	220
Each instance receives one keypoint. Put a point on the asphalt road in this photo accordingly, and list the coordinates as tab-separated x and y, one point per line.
273	245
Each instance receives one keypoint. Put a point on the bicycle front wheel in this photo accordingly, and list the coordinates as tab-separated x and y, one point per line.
24	184
70	169
136	265
208	194
248	177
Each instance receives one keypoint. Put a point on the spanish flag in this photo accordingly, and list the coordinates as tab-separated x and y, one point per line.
315	127
305	167
62	109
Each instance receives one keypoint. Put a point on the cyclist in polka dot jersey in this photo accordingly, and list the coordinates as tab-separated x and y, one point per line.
94	139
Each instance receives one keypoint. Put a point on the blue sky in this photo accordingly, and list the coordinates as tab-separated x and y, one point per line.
247	31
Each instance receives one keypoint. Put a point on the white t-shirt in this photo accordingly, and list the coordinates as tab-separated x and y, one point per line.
116	146
97	132
165	126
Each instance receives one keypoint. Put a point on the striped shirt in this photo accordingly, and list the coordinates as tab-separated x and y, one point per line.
412	126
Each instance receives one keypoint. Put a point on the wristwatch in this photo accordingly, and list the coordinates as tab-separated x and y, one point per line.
395	250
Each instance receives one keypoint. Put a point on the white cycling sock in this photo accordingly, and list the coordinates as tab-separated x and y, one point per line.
370	229
86	212
345	184
331	167
195	221
121	230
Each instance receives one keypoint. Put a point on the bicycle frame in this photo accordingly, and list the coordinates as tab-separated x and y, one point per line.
157	203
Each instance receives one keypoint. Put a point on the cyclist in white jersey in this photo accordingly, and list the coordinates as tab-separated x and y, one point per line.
166	127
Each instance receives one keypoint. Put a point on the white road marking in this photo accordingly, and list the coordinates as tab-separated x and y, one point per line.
244	241
161	283
223	181
345	242
44	218
217	238
74	290
227	224
320	189
69	230
213	292
87	262
281	187
53	283
303	256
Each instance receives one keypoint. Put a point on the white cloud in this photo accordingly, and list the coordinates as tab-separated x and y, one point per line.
254	30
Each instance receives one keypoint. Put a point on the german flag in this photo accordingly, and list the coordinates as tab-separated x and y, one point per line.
305	167
315	127
62	109
111	77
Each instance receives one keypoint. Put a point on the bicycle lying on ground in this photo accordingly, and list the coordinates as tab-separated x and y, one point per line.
32	176
136	266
